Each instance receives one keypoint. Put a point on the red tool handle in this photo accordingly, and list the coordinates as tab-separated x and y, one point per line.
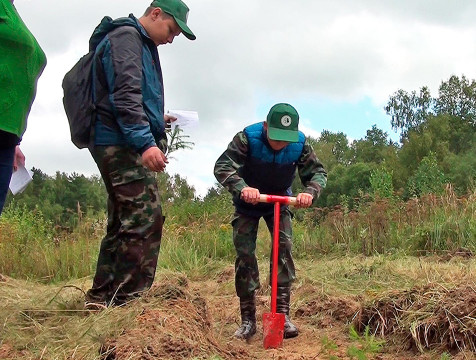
288	200
274	271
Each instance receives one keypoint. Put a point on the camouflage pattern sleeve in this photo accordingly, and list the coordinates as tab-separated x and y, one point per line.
312	173
228	164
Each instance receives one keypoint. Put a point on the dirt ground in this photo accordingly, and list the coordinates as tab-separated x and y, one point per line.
183	319
197	321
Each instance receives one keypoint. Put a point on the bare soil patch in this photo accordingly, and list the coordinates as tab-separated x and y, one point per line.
8	352
185	320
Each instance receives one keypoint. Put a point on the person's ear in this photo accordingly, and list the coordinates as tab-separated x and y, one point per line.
265	125
156	13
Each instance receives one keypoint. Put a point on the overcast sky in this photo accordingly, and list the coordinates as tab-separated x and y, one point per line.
336	61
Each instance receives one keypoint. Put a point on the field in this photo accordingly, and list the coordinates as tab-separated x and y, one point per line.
416	308
391	280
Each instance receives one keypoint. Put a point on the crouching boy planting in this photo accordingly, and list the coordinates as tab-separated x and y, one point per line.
263	159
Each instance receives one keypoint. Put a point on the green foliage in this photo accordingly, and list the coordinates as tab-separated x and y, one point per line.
457	97
409	110
428	179
63	199
177	140
164	182
445	230
444	125
60	218
174	188
372	148
29	226
198	236
328	347
30	247
328	344
215	191
350	181
381	183
332	149
181	189
431	137
197	233
460	170
367	344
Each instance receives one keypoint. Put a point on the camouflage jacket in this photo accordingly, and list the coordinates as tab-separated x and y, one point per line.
228	167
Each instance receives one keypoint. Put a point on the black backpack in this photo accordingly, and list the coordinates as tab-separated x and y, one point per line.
78	101
78	87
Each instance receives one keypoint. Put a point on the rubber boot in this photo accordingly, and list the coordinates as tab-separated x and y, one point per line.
248	318
282	306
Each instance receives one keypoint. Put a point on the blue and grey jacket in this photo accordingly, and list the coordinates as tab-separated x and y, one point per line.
250	161
128	85
270	171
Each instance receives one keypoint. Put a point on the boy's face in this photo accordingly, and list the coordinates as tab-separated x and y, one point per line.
163	28
276	145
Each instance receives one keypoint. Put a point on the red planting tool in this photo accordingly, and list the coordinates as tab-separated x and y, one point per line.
273	323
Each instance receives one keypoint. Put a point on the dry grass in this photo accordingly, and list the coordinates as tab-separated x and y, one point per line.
428	302
430	317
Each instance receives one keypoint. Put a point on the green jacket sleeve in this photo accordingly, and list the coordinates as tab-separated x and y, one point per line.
311	172
21	63
228	164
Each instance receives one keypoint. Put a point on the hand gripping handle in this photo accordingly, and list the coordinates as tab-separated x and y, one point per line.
288	200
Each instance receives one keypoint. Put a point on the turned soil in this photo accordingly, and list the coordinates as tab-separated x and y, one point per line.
197	320
181	318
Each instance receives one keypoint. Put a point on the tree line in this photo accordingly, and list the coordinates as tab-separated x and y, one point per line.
437	147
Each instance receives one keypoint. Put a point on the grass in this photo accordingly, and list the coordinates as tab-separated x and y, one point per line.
47	321
356	274
386	246
366	344
197	234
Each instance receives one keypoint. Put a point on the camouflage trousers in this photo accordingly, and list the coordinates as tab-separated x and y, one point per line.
245	230
128	254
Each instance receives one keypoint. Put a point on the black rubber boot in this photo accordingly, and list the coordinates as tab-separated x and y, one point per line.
248	318
282	306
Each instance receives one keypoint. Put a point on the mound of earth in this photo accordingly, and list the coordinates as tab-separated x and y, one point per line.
178	325
429	317
196	320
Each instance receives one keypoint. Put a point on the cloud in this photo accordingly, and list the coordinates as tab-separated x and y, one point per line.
251	54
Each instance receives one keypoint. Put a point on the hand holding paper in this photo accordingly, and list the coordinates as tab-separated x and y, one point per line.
20	179
185	118
19	159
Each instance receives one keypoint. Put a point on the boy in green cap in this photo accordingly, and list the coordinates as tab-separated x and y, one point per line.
262	159
130	145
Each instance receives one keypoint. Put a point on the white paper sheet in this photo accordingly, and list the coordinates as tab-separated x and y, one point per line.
20	180
185	118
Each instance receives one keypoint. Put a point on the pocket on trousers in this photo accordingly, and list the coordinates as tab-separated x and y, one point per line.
126	176
129	185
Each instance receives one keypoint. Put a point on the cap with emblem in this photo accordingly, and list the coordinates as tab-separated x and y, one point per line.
283	120
179	11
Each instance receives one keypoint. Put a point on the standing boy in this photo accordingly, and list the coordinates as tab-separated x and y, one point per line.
130	145
263	159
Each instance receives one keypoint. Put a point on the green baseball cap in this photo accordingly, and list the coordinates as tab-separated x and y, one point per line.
283	121
179	11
